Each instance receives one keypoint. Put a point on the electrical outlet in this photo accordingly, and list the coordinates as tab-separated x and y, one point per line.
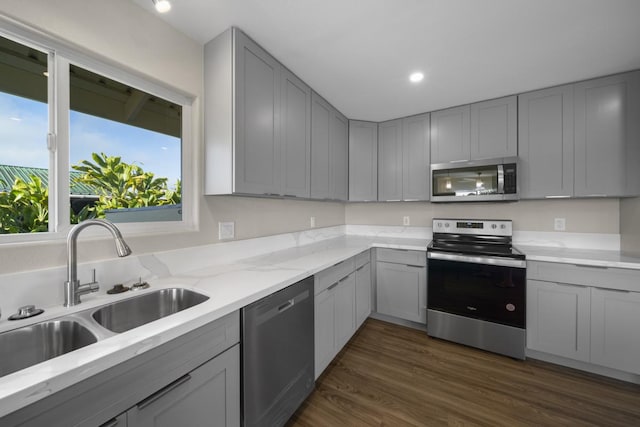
406	220
559	224
312	222
226	230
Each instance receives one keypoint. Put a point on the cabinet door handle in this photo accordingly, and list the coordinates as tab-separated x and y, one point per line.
158	394
602	267
414	266
333	286
111	423
360	268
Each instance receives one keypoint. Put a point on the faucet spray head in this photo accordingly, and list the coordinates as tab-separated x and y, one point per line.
122	248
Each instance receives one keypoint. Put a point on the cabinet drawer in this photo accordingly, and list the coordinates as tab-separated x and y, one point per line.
401	256
362	258
331	275
605	277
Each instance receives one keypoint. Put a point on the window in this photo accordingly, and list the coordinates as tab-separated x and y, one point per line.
105	143
24	124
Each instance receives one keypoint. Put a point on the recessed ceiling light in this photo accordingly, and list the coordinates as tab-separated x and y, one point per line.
416	77
162	6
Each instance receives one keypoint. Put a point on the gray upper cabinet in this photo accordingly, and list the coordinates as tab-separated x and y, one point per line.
321	118
545	143
257	153
415	157
329	151
339	156
390	160
295	101
607	136
450	139
403	159
363	161
494	128
257	121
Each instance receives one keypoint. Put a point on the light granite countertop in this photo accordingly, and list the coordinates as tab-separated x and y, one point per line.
230	286
232	275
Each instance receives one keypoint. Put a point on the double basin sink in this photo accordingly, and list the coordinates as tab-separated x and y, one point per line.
29	345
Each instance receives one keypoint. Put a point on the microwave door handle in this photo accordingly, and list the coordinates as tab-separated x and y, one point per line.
500	179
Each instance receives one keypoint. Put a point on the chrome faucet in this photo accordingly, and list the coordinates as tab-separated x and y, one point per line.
72	287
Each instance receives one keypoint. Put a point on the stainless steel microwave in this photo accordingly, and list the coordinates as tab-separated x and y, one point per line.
475	180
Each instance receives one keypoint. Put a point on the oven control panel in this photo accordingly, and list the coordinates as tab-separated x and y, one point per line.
494	227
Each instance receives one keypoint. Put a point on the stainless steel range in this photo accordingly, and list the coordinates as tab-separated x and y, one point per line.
477	285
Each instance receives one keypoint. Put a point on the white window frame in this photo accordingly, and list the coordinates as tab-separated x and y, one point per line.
60	57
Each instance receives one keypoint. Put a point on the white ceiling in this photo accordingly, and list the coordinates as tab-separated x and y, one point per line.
358	53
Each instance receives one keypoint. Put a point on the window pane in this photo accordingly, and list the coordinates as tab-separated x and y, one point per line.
24	123
125	152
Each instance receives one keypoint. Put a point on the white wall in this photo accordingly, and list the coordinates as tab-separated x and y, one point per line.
124	34
630	226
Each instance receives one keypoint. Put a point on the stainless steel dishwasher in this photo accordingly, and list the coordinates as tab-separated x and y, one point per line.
277	355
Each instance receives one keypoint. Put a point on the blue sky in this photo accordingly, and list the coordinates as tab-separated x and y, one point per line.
24	127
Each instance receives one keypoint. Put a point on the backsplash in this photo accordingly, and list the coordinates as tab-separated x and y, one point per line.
581	215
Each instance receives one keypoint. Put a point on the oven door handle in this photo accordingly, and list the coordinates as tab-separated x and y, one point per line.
502	262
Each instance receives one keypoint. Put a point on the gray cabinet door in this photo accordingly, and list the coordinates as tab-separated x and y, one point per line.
402	291
494	128
257	153
558	319
295	135
345	297
390	160
339	151
363	293
207	396
363	161
545	143
450	139
324	326
607	136
415	157
321	118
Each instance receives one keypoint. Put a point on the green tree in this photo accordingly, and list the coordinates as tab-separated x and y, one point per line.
24	208
123	185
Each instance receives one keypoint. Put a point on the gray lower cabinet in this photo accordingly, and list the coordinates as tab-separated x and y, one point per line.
335	320
401	284
257	121
450	134
615	335
589	314
194	379
363	292
342	303
558	319
607	136
545	143
329	151
363	161
207	396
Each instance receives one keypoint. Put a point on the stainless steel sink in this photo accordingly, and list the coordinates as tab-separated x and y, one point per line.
29	345
127	314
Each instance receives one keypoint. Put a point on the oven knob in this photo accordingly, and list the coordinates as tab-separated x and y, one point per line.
494	226
439	225
503	226
446	224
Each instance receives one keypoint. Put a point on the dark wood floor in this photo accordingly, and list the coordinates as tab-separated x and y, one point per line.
389	375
